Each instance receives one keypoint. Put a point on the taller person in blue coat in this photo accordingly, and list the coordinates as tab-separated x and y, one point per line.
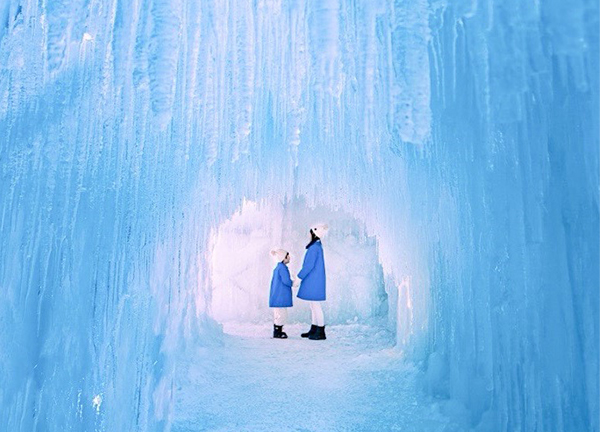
312	287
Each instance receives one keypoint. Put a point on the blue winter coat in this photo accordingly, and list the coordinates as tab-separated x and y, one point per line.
312	274
281	287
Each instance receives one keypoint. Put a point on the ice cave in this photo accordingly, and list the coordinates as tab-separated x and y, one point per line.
153	152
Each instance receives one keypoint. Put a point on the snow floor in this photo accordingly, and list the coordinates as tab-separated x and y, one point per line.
353	381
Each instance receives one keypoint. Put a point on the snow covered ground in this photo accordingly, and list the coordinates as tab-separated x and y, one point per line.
353	381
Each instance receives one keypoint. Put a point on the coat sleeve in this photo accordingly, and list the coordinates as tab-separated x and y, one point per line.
284	276
309	262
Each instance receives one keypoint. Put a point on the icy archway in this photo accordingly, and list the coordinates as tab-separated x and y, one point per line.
241	265
463	135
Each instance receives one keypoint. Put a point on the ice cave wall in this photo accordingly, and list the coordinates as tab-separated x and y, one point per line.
515	135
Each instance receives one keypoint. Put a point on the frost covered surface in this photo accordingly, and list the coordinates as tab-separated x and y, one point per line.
455	142
353	382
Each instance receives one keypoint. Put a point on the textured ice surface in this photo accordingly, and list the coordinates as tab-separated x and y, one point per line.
456	143
353	382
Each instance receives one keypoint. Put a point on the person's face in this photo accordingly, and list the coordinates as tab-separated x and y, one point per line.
286	260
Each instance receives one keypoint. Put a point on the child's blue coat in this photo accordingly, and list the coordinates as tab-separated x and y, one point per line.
313	274
281	287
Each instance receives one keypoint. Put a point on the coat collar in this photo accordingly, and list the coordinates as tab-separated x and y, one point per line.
313	242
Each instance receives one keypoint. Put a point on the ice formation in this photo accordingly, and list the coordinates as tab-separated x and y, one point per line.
454	146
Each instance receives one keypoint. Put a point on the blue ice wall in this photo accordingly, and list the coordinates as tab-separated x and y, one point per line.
463	135
515	136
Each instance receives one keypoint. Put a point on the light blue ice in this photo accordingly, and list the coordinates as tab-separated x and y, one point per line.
152	152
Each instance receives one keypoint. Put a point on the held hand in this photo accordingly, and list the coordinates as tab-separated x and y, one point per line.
296	283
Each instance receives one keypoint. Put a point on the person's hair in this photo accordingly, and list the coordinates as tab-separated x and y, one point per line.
313	238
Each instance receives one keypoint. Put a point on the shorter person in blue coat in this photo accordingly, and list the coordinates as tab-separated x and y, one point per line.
280	297
312	287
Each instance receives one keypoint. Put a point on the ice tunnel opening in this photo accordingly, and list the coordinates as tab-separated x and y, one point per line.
375	314
358	288
365	360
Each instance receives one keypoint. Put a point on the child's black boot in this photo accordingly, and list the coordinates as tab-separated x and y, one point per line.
278	332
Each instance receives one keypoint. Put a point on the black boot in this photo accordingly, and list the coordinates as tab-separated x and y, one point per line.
319	334
313	329
278	332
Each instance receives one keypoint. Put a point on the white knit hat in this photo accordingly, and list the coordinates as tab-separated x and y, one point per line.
320	229
279	254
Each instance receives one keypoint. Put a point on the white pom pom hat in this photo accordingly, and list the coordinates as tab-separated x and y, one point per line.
279	254
320	229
